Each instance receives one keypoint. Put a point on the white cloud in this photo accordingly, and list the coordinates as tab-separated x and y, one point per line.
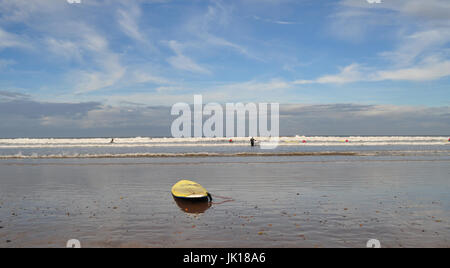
281	22
424	72
182	62
204	27
348	74
430	69
418	45
127	19
93	81
110	69
141	77
10	40
69	50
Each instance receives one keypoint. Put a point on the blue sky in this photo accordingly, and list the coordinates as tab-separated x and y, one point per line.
128	54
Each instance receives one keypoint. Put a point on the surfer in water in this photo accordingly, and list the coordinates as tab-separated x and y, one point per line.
112	141
252	142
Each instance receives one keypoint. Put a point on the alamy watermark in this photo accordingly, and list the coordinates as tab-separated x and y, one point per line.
229	121
73	243
373	243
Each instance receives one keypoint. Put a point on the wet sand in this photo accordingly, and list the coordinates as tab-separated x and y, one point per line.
275	203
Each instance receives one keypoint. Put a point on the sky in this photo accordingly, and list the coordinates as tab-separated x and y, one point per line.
112	68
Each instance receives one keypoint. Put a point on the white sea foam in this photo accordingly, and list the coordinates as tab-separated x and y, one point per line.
207	142
192	147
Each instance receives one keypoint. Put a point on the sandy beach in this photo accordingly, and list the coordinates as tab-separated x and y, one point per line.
270	202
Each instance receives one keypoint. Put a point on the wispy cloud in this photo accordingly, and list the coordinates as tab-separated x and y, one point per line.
430	69
218	17
128	22
10	40
67	49
183	62
418	45
111	70
281	22
348	74
128	19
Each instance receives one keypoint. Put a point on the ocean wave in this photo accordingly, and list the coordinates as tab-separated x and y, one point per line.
214	142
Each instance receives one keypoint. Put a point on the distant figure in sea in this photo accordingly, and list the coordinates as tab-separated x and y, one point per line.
112	141
252	142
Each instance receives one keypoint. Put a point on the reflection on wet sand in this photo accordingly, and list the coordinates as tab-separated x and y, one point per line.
328	203
192	206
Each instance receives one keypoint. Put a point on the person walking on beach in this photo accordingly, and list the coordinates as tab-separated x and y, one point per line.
252	142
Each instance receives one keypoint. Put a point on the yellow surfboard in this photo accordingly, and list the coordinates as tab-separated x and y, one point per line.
190	190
